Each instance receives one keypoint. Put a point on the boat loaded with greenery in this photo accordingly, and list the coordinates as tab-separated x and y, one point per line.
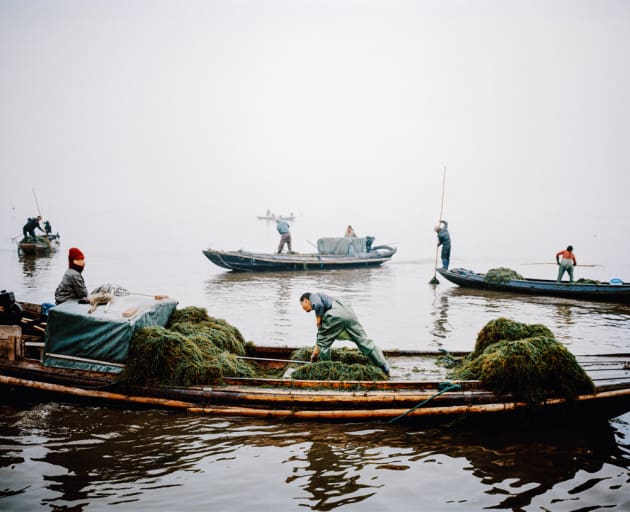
144	351
506	280
332	253
31	246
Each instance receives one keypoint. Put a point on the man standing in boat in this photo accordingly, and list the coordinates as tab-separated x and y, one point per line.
444	239
336	320
566	263
285	235
31	225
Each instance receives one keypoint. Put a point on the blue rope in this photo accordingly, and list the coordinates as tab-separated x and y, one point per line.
442	386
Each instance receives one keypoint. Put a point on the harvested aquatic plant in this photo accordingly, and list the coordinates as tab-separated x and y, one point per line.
533	367
341	355
195	349
501	275
335	370
505	329
345	364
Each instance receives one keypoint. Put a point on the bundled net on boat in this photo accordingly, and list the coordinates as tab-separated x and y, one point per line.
194	348
345	364
524	360
501	275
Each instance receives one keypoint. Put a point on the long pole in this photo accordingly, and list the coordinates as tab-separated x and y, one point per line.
39	212
434	280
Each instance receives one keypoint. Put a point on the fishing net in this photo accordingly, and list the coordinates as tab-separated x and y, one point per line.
584	280
196	349
531	368
501	275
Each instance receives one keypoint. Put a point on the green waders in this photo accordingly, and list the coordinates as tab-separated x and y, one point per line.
341	323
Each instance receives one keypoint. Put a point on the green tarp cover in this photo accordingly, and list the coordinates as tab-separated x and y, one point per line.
341	246
91	341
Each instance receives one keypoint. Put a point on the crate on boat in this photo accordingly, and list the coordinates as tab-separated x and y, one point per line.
11	343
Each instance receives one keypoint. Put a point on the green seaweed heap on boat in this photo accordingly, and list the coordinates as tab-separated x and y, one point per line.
525	360
501	275
195	348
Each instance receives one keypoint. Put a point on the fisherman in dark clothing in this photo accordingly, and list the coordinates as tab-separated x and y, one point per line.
31	225
48	228
444	239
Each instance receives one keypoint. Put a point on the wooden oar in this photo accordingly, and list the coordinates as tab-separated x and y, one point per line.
434	280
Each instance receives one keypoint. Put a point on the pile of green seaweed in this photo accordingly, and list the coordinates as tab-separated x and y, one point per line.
501	275
34	240
345	364
194	348
525	360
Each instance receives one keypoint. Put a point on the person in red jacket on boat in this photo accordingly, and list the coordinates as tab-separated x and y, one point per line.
566	260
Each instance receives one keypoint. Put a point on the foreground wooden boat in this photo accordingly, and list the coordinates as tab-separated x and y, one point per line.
347	253
432	399
611	292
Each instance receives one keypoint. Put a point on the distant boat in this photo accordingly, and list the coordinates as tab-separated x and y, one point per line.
343	252
616	291
274	217
39	245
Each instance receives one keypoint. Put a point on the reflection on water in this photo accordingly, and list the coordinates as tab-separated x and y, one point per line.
64	456
584	326
33	267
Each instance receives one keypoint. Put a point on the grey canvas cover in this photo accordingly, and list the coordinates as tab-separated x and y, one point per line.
99	340
342	246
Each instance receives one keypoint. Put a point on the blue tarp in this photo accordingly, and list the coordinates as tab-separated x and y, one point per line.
100	340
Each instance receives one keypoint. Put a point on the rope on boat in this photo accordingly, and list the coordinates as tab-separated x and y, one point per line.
443	387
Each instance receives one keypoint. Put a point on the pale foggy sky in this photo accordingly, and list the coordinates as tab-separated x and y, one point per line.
198	116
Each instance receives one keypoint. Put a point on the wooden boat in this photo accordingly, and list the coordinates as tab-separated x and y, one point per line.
41	245
272	217
433	399
348	253
615	291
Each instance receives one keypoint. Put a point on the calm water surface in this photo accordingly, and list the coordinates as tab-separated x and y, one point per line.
57	456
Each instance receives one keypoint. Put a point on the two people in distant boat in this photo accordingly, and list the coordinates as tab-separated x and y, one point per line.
31	225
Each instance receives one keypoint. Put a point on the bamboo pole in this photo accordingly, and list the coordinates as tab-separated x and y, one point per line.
89	393
435	280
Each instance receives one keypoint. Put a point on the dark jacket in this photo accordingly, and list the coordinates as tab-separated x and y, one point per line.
71	287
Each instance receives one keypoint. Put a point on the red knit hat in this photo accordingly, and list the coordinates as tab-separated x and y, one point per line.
75	254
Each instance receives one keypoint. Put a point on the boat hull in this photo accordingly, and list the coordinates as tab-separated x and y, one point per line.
397	399
254	262
579	291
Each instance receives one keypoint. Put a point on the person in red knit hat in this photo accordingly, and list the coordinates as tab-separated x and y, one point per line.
72	285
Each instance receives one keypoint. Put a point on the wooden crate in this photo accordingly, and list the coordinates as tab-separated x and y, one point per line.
11	343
